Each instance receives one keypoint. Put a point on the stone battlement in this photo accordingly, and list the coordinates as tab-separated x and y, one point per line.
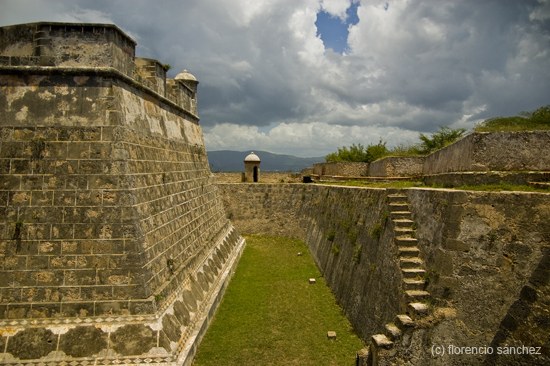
88	50
497	157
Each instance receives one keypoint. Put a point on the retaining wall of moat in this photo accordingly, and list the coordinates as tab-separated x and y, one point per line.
486	255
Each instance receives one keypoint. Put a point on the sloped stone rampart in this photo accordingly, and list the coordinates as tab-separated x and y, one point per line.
114	244
486	151
486	256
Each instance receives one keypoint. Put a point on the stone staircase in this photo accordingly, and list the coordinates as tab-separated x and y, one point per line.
412	269
412	266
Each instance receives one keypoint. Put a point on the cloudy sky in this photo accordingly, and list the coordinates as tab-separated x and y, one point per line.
304	77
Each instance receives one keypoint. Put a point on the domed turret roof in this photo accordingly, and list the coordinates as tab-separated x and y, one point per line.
252	157
185	76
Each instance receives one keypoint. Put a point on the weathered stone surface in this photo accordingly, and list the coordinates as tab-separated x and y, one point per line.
181	313
32	343
171	327
133	339
341	168
397	166
453	244
83	341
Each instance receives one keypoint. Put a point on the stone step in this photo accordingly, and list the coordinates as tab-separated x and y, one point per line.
404	231
400	215
418	310
381	341
404	322
362	357
398	199
410	263
414	284
416	295
413	272
399	207
396	192
408	251
403	223
393	332
404	241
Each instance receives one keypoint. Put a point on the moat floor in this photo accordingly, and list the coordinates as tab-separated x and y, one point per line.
271	315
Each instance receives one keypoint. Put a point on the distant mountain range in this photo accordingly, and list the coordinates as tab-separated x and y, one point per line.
233	161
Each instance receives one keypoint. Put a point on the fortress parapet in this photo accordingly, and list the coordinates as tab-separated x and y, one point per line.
82	49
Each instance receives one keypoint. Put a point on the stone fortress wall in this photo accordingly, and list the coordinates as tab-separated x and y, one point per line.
484	262
265	177
114	243
341	168
494	157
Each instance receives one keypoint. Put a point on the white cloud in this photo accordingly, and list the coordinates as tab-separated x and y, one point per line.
302	139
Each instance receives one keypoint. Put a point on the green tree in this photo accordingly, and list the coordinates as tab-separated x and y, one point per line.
378	151
535	120
443	137
541	116
358	153
355	153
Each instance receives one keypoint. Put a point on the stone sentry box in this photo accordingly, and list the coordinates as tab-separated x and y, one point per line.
251	168
114	244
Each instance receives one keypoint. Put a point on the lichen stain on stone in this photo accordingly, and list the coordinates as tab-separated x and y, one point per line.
78	120
105	232
13	84
52	295
193	133
62	89
22	114
20	197
490	216
46	95
91	214
43	276
109	197
173	129
117	280
46	247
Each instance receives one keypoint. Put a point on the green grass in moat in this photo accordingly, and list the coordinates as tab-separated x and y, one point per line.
271	315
